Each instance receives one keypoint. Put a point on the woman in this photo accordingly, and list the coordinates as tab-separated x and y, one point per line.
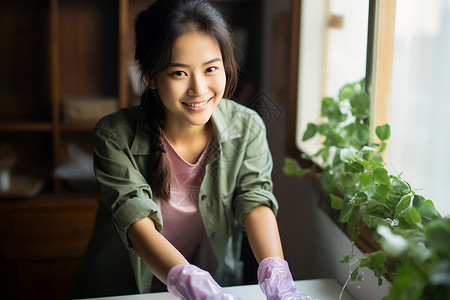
185	173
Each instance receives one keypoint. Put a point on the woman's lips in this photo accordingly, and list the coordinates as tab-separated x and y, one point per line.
197	105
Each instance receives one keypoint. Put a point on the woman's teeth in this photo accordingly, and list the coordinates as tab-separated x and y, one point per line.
198	104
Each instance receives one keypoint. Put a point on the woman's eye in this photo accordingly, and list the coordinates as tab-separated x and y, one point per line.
179	73
211	69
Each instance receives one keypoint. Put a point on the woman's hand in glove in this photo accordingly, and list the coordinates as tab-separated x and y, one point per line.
189	282
275	280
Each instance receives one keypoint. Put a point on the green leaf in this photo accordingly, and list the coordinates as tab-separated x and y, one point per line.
418	201
412	217
377	263
337	203
399	187
360	198
331	110
310	132
364	262
437	234
366	179
354	274
381	192
374	222
428	210
363	134
345	259
346	213
403	204
347	91
383	147
354	167
355	217
383	132
333	138
377	260
381	175
291	168
355	233
408	283
378	158
377	208
360	105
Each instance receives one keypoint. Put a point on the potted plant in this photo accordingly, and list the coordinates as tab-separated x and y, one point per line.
414	239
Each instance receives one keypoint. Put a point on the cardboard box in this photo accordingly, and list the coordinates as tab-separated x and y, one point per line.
87	109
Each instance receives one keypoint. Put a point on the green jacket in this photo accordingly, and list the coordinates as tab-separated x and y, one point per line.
236	181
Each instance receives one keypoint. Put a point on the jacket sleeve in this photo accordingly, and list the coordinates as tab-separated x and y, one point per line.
254	181
123	189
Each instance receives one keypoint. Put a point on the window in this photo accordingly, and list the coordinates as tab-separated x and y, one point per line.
333	52
410	69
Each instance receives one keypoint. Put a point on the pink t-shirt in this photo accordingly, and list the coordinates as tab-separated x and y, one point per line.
182	222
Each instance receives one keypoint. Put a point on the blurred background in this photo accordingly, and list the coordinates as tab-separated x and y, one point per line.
66	63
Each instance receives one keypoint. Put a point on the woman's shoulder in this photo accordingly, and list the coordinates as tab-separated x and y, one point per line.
232	119
231	110
123	118
123	124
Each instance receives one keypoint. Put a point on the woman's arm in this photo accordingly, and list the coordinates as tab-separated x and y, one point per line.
158	254
262	232
274	277
165	262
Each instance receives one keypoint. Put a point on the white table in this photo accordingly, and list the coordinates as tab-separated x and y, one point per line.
322	289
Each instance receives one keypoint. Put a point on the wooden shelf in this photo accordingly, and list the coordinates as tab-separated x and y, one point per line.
73	127
26	127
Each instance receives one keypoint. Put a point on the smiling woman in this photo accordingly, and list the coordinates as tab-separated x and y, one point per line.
185	173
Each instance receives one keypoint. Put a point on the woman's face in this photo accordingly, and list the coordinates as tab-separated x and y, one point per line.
194	83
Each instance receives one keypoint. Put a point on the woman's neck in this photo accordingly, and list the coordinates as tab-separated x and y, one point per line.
186	134
190	141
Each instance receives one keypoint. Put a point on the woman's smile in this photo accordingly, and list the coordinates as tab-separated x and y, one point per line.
197	106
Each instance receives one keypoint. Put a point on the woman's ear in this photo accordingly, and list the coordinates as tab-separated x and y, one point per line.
151	83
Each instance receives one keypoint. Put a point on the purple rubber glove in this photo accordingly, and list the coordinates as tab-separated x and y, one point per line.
189	282
275	280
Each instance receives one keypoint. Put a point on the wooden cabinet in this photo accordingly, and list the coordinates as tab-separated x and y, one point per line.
56	55
42	245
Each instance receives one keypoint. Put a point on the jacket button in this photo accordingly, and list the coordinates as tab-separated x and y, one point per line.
213	235
203	197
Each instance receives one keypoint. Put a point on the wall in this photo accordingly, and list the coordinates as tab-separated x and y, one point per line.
313	244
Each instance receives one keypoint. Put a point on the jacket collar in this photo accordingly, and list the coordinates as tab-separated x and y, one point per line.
225	127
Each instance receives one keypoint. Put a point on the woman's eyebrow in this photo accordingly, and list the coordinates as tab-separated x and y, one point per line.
180	65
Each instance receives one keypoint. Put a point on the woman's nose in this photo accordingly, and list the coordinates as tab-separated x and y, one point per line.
198	86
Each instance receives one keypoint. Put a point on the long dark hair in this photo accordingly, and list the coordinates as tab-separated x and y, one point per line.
156	30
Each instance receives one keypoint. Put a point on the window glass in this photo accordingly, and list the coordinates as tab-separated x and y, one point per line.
333	49
419	112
